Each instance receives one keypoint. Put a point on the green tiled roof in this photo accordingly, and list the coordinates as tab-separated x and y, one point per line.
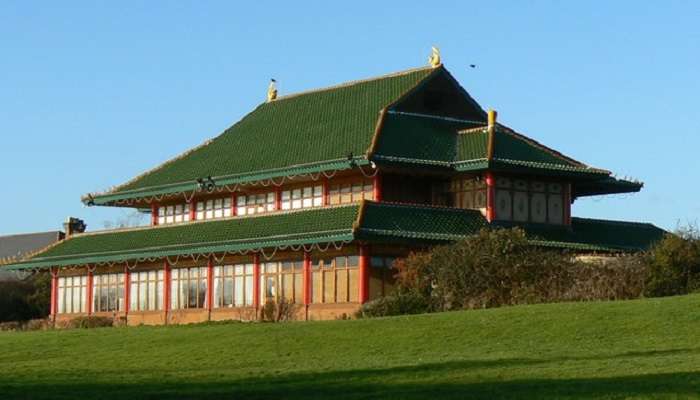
402	221
313	128
234	234
372	222
338	128
418	139
598	235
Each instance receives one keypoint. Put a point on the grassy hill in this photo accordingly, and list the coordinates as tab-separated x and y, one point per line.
632	349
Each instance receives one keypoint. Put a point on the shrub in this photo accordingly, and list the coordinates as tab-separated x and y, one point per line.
674	264
490	269
606	278
278	311
89	322
400	303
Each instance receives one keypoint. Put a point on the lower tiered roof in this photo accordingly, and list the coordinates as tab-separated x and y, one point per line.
369	222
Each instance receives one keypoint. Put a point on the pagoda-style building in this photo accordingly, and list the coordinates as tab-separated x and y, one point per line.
310	198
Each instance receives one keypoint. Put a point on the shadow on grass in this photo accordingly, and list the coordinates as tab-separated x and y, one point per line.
449	380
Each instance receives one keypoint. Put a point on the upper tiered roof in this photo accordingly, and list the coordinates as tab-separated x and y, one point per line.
420	117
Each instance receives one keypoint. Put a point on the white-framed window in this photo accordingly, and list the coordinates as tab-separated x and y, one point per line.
108	292
214	208
256	203
282	280
335	280
146	291
173	214
350	192
188	288
72	294
305	197
529	201
468	193
233	285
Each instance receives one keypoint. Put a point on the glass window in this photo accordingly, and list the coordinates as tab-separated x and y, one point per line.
341	193
146	291
173	214
233	285
306	197
335	280
188	288
213	208
256	203
282	280
108	292
381	277
72	293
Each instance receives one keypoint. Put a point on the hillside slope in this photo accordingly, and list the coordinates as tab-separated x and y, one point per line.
633	349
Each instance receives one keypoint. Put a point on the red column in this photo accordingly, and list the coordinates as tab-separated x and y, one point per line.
210	283
490	197
278	199
326	193
193	210
127	290
377	187
154	214
234	206
364	274
166	288
89	295
256	280
307	278
54	293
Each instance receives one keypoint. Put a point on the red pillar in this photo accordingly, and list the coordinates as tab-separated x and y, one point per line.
307	278
210	283
490	196
127	290
89	295
377	187
193	210
256	281
234	205
278	199
166	288
326	193
54	293
154	214
364	274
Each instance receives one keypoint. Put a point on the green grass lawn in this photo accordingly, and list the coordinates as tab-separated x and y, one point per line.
634	349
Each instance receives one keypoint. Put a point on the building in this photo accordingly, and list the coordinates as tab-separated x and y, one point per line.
311	196
16	247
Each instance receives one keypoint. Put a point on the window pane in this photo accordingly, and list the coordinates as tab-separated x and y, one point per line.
228	292
238	290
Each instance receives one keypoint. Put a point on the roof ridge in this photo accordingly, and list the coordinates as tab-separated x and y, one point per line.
418	206
533	142
476	129
350	83
617	222
27	234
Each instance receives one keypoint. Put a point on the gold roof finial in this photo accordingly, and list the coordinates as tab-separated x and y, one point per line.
434	59
272	91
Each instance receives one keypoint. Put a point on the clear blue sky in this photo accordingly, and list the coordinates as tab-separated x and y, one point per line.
94	93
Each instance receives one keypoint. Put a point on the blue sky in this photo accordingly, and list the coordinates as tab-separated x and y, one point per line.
94	93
